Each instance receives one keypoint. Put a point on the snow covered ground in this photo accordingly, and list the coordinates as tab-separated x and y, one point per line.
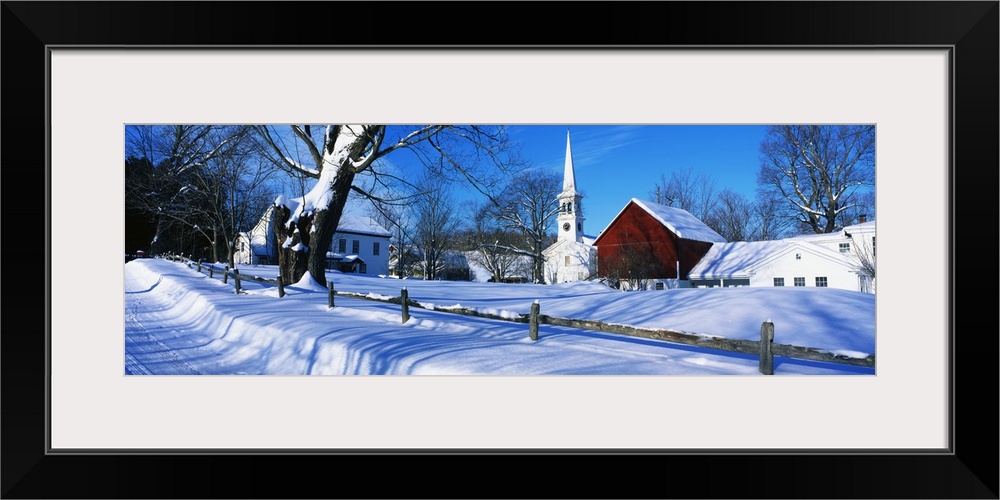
180	322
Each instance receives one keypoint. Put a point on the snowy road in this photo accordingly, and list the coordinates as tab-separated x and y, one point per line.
142	343
180	322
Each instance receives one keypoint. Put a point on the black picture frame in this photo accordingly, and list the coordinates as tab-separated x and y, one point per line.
970	470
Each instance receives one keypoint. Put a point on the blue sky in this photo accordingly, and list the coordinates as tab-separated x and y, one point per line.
615	163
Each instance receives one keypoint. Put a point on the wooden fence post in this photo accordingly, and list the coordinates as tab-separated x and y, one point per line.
211	271
533	321
766	355
281	287
236	279
199	265
406	306
225	276
330	294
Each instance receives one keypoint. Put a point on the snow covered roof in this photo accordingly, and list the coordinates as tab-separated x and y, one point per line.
737	259
729	260
864	227
361	225
819	238
677	220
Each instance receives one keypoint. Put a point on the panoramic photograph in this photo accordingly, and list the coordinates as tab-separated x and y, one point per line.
505	250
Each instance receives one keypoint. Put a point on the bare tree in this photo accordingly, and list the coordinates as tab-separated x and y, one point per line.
693	192
178	190
397	218
334	155
492	245
733	216
769	220
528	205
817	169
861	206
436	224
238	183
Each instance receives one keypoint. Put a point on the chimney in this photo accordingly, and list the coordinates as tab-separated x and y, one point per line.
862	219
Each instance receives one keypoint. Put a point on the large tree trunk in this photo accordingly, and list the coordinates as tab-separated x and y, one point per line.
302	247
326	224
292	263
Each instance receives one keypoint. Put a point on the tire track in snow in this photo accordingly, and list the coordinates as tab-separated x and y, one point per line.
142	348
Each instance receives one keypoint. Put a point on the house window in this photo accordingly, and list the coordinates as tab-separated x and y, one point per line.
363	268
845	248
342	245
567	260
375	248
355	246
821	281
659	285
873	246
779	281
800	281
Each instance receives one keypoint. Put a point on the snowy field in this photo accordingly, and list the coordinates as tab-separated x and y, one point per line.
180	322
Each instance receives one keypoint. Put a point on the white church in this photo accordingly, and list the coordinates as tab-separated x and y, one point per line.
573	257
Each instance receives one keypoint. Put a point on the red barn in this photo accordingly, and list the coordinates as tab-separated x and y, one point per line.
650	241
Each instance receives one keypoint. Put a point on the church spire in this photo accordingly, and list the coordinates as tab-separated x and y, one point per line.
570	218
569	176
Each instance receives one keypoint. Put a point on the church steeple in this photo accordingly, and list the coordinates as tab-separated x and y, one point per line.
569	176
570	217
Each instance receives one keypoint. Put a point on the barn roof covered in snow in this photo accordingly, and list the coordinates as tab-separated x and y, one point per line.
677	220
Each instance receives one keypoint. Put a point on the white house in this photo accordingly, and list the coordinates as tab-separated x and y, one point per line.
573	257
788	262
258	246
857	240
360	245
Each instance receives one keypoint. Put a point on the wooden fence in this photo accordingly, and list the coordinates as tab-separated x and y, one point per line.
765	348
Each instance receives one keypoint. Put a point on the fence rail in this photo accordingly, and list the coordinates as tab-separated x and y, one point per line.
707	341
